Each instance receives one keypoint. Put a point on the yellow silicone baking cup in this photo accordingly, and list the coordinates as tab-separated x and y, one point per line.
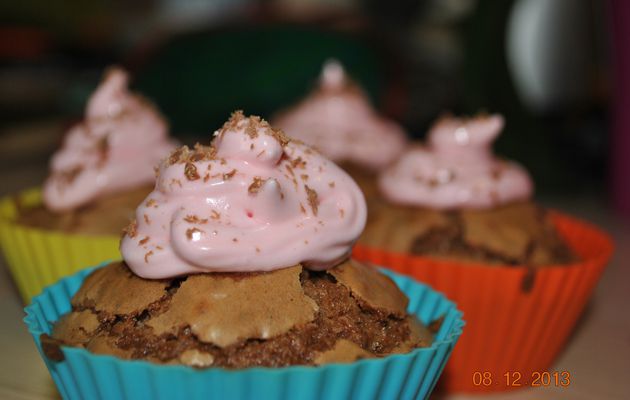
37	257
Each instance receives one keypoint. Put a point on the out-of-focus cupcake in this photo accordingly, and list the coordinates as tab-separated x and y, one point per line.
454	199
455	216
338	119
102	171
240	258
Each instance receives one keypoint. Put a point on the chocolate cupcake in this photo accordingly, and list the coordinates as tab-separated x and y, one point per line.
455	216
338	120
240	258
292	316
454	200
105	165
102	171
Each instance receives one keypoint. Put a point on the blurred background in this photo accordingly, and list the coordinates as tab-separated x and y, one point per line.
547	65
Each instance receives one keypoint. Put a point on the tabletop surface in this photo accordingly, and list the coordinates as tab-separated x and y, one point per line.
597	354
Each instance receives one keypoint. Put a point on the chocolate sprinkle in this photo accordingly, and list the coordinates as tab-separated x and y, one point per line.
190	232
313	200
229	175
131	229
190	170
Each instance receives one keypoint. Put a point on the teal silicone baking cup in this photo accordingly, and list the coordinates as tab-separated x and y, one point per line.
83	375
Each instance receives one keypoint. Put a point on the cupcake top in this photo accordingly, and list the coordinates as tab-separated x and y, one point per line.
338	120
289	316
115	148
254	200
457	169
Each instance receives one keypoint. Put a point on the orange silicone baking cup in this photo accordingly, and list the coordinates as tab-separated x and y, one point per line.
509	330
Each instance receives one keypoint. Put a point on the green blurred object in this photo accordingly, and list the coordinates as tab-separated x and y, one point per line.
199	79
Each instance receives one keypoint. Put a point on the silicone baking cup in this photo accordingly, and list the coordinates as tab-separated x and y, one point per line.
39	257
509	329
83	375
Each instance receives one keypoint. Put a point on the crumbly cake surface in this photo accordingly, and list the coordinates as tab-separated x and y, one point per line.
106	216
236	320
515	234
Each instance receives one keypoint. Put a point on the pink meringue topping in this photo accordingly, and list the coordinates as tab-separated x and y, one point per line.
253	201
338	120
457	170
115	148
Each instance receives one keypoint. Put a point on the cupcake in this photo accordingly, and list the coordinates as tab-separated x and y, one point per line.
97	177
453	199
239	258
455	216
290	316
338	120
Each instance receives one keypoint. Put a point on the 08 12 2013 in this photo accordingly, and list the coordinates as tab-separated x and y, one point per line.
516	379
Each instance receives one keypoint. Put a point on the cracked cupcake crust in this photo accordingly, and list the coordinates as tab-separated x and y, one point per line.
286	317
519	233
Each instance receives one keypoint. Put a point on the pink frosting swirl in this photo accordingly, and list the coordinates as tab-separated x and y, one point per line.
457	170
338	120
115	148
253	201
